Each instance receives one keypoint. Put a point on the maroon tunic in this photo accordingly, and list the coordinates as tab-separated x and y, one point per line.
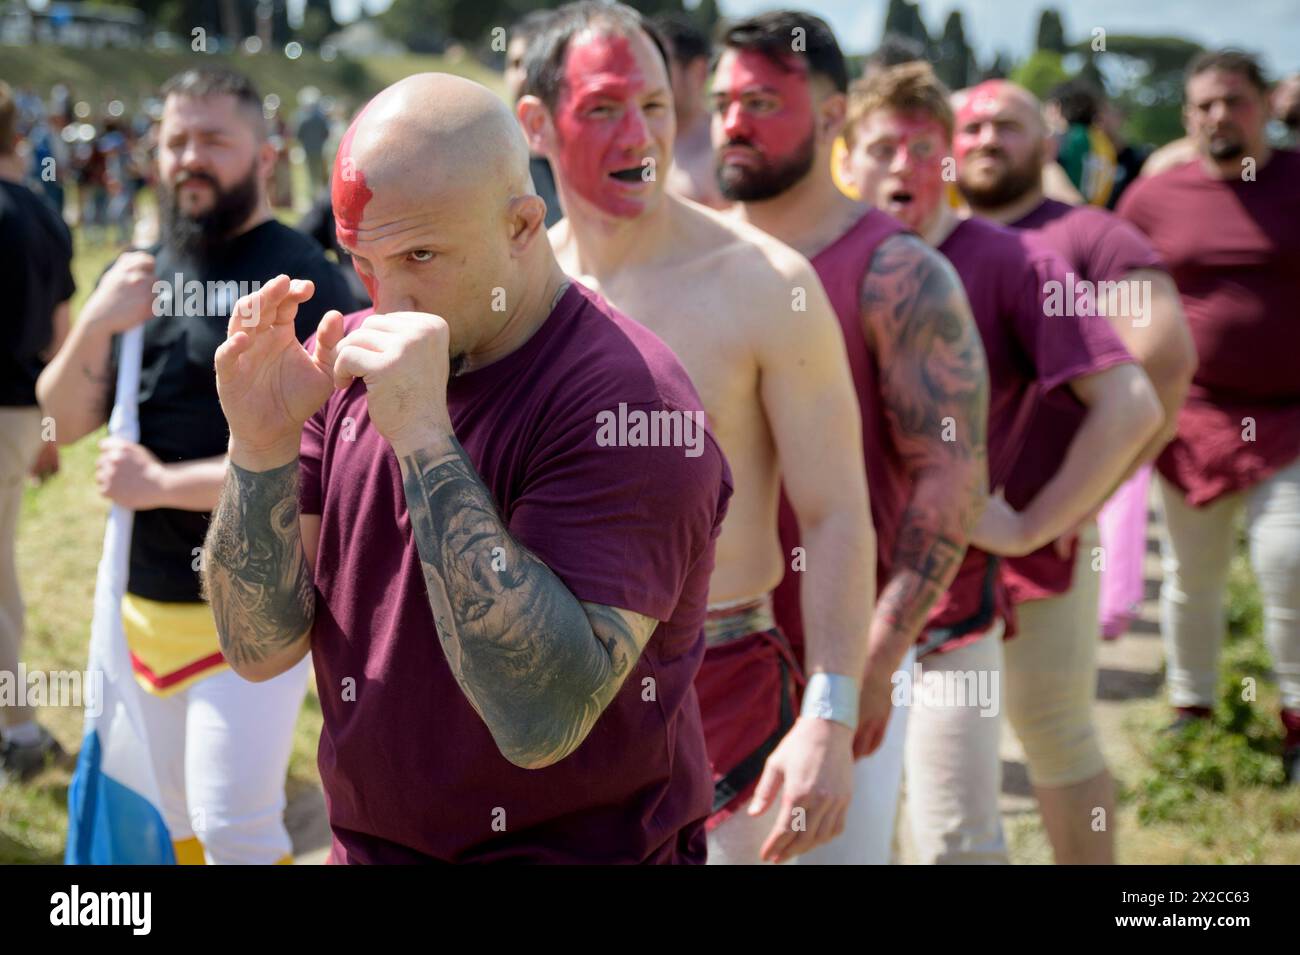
1098	247
1233	247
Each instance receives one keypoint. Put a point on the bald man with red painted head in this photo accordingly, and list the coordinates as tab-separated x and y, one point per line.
501	586
1079	449
750	321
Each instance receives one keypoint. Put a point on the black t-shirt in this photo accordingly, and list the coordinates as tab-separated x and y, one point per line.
180	414
36	275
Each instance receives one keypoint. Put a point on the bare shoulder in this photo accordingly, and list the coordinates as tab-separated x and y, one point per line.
760	272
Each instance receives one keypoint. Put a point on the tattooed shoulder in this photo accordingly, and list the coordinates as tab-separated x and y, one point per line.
926	343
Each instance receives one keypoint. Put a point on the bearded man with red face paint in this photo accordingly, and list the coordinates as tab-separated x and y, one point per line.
751	322
918	369
1080	448
503	592
899	133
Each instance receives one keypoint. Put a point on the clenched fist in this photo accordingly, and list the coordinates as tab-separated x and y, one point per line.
128	474
124	297
403	359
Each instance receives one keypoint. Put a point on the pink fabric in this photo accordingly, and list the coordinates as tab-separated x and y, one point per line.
1123	526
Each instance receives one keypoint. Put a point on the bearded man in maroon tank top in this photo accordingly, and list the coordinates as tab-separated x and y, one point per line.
917	363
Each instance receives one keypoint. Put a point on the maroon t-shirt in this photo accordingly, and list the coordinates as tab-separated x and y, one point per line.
1028	354
1097	247
841	267
1233	248
410	771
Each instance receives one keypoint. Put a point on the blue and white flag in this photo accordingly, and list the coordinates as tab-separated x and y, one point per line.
114	809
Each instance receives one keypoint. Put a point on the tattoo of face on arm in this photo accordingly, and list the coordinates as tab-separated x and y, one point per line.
519	644
934	384
256	575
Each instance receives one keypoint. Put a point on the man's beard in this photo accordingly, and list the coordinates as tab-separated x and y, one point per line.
1222	148
754	185
1010	185
204	237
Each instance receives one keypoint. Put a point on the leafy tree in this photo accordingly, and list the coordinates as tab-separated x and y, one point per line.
1040	72
954	60
1051	34
904	18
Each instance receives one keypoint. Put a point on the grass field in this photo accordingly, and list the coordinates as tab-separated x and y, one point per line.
102	75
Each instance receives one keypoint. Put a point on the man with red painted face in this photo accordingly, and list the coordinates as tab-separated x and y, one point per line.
917	365
1227	222
1080	447
899	133
502	581
750	320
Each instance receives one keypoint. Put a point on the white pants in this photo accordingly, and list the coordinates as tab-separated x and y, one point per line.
954	769
868	834
1197	550
220	752
868	826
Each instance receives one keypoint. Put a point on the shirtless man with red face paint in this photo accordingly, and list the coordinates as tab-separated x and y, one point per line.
750	321
917	364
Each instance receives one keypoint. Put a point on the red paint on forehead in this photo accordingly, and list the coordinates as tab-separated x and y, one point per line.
349	193
981	101
783	131
604	63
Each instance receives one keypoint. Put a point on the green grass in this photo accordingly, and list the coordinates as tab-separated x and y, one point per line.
1214	792
59	540
103	75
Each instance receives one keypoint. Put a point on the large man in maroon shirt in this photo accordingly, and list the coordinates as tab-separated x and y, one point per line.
1069	465
501	577
1227	223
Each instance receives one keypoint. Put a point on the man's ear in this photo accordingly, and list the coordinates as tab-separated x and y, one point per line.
526	216
830	115
535	119
266	157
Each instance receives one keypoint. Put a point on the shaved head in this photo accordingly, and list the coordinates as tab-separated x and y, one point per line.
432	197
1000	95
428	137
1000	142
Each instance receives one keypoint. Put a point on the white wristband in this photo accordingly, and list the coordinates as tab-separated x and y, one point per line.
832	696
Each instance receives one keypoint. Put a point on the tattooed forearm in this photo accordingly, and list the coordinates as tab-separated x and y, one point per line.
935	387
255	572
538	666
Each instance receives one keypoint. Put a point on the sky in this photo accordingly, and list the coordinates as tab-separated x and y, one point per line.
1270	27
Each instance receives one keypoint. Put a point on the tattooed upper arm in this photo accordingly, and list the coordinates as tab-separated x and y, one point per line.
929	353
934	385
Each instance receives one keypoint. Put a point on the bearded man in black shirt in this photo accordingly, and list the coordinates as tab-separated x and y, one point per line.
219	746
